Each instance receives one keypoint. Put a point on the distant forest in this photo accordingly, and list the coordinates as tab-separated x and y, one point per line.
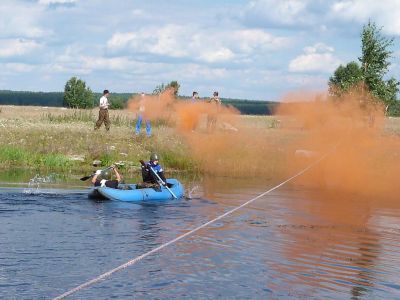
118	100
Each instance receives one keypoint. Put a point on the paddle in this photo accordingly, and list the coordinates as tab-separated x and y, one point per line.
161	182
90	176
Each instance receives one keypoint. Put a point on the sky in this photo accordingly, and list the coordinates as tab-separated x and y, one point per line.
259	49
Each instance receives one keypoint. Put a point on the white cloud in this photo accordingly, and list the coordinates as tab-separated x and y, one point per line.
21	19
253	40
120	40
317	58
195	71
16	67
217	55
196	44
278	12
75	60
138	13
162	41
385	13
17	47
113	63
50	2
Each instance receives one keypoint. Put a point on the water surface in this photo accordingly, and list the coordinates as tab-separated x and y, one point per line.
294	243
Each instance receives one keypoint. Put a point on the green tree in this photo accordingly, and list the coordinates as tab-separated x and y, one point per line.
345	78
117	101
77	95
391	102
375	62
162	87
159	89
175	85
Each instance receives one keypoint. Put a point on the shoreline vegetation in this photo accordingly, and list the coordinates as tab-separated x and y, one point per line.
59	140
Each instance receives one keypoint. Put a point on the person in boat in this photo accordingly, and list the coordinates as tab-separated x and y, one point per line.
149	178
103	178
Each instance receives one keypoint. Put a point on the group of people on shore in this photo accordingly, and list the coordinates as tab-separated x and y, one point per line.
105	118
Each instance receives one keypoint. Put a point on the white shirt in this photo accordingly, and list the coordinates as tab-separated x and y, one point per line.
104	102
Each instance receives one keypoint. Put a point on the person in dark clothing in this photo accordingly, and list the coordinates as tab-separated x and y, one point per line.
105	178
148	176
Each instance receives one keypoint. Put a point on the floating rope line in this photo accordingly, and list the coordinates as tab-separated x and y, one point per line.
138	258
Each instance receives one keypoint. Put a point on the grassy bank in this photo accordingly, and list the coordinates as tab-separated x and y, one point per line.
63	141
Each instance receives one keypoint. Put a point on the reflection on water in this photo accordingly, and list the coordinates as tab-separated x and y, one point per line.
332	244
294	243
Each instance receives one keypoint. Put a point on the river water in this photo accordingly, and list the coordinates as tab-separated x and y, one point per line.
294	243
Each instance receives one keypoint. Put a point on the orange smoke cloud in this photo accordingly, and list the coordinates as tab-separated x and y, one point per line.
215	135
152	107
364	157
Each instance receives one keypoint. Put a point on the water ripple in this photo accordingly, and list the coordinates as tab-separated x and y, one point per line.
290	244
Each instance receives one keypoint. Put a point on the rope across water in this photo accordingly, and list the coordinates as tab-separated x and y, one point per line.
138	258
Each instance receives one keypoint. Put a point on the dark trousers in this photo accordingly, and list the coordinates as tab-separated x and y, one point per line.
148	176
103	117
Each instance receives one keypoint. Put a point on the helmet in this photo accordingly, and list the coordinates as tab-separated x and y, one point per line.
154	156
106	175
215	94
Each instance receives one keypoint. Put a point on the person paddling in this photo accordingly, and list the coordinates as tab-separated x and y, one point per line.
105	178
149	178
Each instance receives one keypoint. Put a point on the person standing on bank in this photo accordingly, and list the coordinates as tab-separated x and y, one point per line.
215	103
103	112
195	97
141	116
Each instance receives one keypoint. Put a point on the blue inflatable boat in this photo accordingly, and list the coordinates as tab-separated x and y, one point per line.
130	192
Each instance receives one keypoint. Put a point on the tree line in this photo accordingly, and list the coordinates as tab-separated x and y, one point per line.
78	95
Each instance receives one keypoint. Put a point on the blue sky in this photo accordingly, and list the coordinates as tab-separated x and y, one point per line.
258	49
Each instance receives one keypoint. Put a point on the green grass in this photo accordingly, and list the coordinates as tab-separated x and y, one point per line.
11	155
74	116
55	161
121	121
18	157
